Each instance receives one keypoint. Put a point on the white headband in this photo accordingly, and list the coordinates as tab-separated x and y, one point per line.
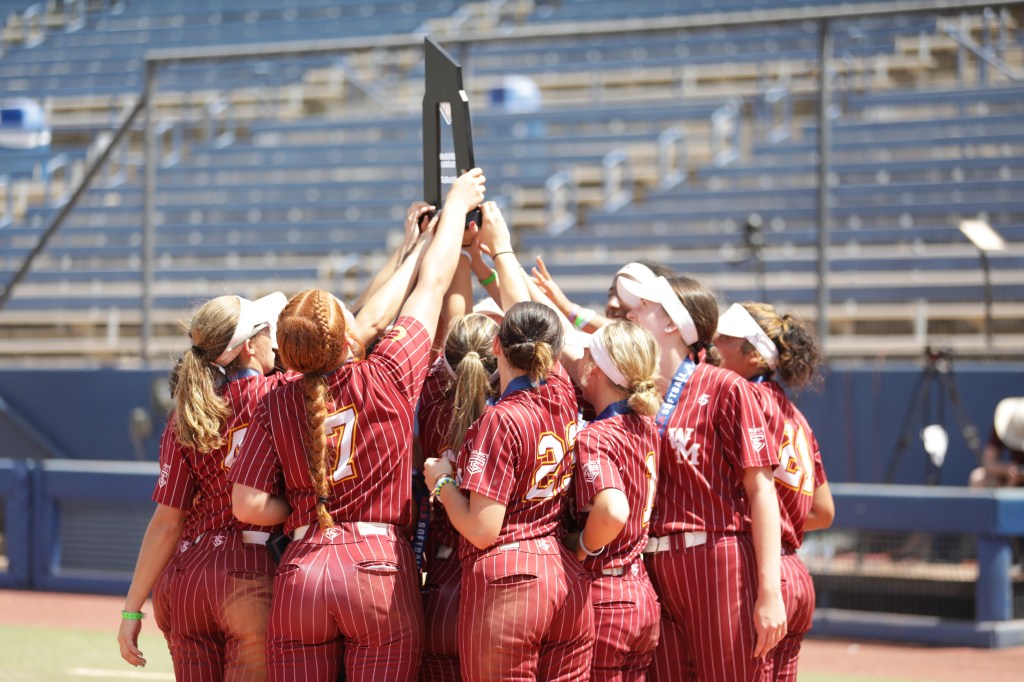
739	323
636	271
661	292
601	357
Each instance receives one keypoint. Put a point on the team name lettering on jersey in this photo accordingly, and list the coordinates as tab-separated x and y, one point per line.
685	451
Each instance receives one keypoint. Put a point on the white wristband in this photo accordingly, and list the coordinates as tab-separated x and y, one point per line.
587	551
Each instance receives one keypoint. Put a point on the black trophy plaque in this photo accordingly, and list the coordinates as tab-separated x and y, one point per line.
444	98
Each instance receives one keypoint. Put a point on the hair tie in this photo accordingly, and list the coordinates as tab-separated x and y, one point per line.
322	499
198	351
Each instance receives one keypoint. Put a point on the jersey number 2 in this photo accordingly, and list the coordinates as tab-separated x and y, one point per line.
553	474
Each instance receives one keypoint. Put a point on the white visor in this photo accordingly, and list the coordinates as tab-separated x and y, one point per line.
738	323
251	316
635	271
661	292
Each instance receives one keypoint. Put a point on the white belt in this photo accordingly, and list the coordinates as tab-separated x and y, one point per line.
364	528
664	543
511	545
443	552
255	537
249	537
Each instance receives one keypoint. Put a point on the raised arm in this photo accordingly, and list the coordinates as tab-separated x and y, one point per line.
383	305
496	240
413	217
442	256
590	320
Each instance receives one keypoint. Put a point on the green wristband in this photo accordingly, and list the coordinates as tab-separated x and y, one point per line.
490	278
132	615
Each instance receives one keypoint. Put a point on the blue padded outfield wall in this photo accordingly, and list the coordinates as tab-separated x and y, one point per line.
857	416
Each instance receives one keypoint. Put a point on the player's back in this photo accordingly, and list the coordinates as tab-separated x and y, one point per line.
521	453
619	452
368	425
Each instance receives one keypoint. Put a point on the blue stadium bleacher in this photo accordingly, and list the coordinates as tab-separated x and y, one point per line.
287	194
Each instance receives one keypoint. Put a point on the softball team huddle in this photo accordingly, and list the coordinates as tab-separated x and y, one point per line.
619	505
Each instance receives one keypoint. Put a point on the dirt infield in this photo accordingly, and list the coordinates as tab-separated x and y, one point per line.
821	658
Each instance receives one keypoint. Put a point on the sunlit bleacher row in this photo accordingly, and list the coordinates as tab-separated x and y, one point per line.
657	145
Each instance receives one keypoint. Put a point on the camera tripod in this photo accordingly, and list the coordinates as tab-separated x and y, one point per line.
938	371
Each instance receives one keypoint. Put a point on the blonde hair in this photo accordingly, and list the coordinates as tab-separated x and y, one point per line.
799	355
468	350
202	412
311	334
635	353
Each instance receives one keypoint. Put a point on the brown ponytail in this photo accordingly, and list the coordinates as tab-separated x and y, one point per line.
531	338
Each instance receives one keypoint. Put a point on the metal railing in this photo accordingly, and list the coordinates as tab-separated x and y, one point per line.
823	16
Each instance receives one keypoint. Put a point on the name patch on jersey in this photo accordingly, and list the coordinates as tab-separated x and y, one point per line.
757	439
591	471
165	473
477	461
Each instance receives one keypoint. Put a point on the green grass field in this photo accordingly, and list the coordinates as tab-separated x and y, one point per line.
52	655
33	654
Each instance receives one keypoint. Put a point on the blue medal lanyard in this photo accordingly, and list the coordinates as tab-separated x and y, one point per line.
683	375
520	383
242	374
614	410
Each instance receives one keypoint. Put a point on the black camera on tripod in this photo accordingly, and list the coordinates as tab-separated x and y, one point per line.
941	358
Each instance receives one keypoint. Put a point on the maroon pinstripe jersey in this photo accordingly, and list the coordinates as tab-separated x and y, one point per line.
520	453
716	431
620	452
197	482
800	467
435	414
369	446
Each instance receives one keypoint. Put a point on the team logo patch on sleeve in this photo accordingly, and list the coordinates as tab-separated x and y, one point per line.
591	471
757	438
165	473
477	461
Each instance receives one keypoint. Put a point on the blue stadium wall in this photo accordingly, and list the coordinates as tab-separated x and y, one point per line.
858	416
